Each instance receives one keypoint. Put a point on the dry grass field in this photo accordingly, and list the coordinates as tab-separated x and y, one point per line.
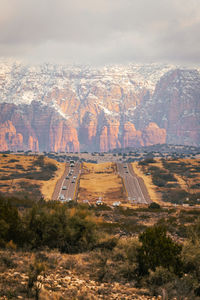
186	174
21	174
47	187
100	180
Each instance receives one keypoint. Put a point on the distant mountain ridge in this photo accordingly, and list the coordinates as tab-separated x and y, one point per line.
82	108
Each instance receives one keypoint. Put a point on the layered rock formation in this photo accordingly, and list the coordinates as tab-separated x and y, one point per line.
175	106
57	108
9	138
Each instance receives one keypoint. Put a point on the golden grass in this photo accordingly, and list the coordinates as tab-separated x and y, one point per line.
47	187
6	163
100	180
181	180
184	181
8	166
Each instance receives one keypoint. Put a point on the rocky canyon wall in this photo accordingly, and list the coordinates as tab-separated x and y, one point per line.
99	111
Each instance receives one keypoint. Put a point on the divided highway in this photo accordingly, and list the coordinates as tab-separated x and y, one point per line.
135	187
65	188
136	190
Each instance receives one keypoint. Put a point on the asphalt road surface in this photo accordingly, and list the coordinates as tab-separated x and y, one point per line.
65	187
135	187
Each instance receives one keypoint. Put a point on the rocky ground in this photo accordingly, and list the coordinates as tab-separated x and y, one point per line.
64	277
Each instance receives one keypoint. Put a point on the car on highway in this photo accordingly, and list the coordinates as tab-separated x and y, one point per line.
73	181
99	202
67	177
62	197
86	201
69	199
116	203
64	187
74	177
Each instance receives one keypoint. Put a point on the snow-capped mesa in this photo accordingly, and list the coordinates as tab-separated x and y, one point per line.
97	108
21	84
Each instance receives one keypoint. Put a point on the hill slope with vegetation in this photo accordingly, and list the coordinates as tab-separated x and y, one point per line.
32	176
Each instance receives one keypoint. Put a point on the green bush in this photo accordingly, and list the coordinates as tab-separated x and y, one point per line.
154	205
158	249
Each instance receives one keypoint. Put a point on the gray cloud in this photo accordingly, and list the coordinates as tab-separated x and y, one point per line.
101	31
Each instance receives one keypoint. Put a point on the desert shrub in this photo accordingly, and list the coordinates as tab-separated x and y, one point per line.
119	263
39	161
158	249
181	231
19	167
4	185
70	263
131	226
11	227
125	211
159	278
69	230
146	162
175	195
176	167
107	243
165	283
158	181
13	160
6	261
50	167
36	269
111	228
154	205
195	186
153	168
125	254
160	177
5	178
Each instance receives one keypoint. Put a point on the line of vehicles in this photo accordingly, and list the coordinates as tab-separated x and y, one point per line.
69	178
68	186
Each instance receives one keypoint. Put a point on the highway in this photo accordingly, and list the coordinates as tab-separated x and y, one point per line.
135	187
65	187
136	190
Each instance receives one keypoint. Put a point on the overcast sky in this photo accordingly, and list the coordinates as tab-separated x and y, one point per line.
101	31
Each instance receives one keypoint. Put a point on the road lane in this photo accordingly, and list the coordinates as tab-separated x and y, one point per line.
136	191
72	182
69	184
141	185
59	183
